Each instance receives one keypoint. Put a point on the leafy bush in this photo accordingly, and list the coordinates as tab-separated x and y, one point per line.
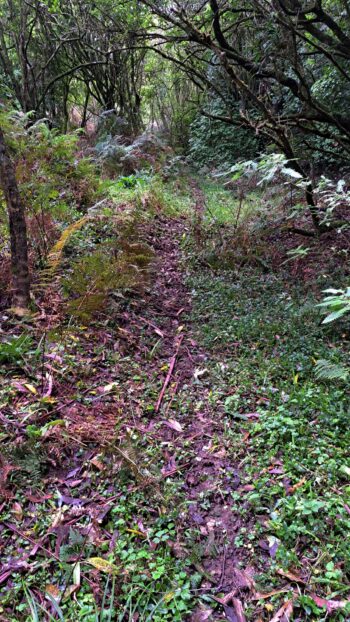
55	185
117	156
325	370
215	143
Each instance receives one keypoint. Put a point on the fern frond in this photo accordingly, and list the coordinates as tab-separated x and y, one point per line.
55	255
56	252
325	370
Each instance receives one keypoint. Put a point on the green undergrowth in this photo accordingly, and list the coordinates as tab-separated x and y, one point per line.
115	557
106	530
224	206
148	581
265	336
120	566
106	253
150	194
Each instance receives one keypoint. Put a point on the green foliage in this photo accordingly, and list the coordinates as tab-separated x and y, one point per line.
325	370
56	186
15	349
297	456
338	303
215	143
51	177
95	276
131	181
267	167
40	613
159	588
297	253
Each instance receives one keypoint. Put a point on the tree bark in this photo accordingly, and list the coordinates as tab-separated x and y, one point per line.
85	107
18	229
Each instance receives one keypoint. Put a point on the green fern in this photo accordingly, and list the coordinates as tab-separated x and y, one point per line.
325	370
94	277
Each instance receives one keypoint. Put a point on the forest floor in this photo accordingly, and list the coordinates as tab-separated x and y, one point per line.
174	456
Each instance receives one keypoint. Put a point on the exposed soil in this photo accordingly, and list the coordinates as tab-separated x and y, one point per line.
211	467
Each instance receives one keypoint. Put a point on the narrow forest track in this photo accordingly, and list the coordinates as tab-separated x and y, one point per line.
162	398
168	437
210	473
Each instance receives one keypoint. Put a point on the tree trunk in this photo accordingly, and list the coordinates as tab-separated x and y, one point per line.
85	107
18	230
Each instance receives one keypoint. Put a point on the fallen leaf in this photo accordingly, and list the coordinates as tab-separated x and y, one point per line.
235	613
136	532
252	415
48	400
273	545
291	576
259	596
53	591
37	499
48	391
174	425
297	486
102	564
30	388
110	387
242	580
202	615
17	510
66	500
76	574
97	463
284	613
20	387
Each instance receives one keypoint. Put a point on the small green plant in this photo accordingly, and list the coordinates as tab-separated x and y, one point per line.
267	167
297	253
39	613
97	275
131	181
338	303
13	351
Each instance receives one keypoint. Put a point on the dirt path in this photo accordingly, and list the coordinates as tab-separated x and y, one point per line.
154	333
209	474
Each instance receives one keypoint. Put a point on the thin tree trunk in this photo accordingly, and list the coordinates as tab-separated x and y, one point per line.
85	107
18	229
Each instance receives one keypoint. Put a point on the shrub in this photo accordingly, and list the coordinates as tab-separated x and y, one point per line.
215	143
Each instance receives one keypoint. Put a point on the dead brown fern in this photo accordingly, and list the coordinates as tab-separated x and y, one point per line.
48	274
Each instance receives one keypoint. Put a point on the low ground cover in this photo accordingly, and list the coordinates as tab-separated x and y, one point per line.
173	445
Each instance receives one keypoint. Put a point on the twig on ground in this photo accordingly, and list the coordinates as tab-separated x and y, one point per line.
169	374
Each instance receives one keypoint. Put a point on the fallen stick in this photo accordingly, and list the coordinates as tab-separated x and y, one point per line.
155	328
169	374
